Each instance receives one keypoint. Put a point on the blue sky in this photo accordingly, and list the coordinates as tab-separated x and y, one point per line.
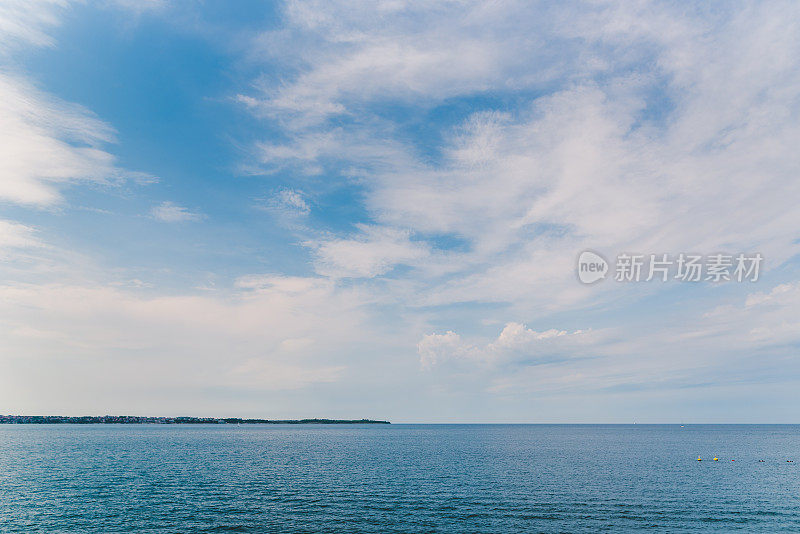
324	209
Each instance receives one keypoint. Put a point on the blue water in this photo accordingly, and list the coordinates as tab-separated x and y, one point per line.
398	478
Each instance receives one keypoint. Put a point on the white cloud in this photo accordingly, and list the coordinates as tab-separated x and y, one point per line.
258	336
514	344
45	142
732	344
288	203
349	55
644	127
14	235
662	134
293	200
434	348
284	284
765	319
373	252
780	294
26	23
171	212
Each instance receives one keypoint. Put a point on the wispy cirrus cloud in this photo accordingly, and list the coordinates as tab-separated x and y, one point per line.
622	136
46	143
14	235
170	212
27	23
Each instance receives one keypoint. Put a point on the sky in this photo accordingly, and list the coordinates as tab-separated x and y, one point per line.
375	209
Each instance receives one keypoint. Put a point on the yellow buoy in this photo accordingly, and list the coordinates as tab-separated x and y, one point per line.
699	459
716	459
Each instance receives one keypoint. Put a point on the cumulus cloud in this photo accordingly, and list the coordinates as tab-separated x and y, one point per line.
171	212
707	348
434	348
516	343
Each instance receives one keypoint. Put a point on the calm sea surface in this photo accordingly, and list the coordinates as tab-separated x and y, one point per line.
398	478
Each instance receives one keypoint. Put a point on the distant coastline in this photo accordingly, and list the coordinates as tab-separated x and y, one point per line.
139	420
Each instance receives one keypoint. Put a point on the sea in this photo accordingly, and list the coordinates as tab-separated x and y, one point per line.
399	478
